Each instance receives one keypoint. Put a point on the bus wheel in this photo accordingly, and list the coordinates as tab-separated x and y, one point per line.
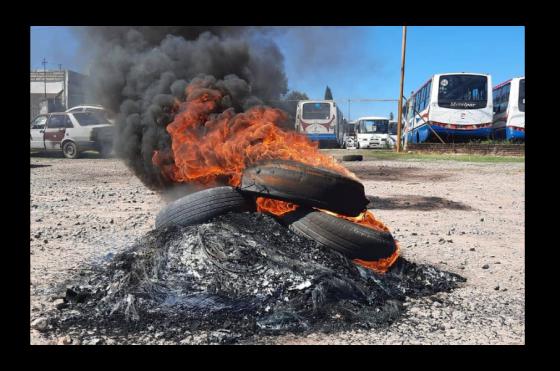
305	185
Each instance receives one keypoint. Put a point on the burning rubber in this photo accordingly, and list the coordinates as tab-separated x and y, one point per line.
306	185
238	275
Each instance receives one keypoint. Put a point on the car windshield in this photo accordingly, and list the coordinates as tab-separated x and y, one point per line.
350	129
316	111
463	91
91	118
375	126
522	95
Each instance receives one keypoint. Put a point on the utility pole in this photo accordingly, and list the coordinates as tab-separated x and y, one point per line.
44	63
399	125
348	109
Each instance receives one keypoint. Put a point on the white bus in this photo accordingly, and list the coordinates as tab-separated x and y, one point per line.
346	134
509	110
393	125
457	106
319	119
372	132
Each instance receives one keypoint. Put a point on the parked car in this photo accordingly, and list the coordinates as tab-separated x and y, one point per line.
91	108
72	133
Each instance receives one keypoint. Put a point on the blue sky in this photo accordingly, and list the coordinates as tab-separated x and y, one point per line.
356	62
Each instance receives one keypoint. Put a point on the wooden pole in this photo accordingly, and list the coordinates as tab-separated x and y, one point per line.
399	125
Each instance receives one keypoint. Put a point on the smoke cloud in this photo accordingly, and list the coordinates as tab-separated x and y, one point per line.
140	73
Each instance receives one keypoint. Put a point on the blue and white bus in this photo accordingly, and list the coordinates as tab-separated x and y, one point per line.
456	106
509	110
319	120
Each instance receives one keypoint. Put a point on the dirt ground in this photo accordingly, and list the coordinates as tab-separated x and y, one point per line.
466	218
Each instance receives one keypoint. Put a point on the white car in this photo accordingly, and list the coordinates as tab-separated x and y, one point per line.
90	108
72	133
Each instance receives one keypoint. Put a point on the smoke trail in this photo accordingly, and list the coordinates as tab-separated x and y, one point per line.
140	73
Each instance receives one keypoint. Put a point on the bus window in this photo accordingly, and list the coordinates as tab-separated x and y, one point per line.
496	99
522	95
374	126
462	91
316	111
505	97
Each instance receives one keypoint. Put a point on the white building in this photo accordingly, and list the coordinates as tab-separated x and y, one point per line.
63	89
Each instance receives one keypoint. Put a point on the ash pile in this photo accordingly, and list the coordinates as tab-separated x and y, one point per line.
235	276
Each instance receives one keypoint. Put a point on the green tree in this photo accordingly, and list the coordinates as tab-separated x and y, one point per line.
328	93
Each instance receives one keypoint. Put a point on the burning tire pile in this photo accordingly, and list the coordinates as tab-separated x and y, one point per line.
215	270
320	194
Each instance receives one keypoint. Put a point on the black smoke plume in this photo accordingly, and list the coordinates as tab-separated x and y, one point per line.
139	72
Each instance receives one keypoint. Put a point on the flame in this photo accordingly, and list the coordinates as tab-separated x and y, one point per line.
381	265
212	148
275	207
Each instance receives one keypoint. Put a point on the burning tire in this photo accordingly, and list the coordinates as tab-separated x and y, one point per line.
352	240
305	185
352	158
202	206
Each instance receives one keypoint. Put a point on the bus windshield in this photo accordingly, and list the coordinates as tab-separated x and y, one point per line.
316	111
463	91
375	126
522	95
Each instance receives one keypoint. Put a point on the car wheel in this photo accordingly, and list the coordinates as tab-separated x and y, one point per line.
105	150
70	150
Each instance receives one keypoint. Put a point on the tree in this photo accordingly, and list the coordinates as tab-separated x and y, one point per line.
391	116
328	93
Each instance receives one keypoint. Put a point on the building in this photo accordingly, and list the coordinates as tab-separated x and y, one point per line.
63	89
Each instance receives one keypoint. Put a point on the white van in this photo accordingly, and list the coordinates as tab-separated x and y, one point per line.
372	132
72	133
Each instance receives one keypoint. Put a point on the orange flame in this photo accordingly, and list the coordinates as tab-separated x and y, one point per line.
275	207
210	149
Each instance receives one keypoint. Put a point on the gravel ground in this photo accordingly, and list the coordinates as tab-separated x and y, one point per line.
461	217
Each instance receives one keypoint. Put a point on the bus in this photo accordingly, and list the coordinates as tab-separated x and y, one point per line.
372	132
456	106
509	110
393	126
346	134
319	120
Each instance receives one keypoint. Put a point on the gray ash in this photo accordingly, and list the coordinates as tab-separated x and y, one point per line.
236	276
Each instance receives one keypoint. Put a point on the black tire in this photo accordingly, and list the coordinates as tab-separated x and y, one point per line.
352	158
305	185
350	239
202	206
70	150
